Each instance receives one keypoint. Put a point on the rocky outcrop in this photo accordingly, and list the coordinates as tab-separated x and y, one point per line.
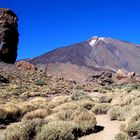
8	35
26	65
104	78
122	77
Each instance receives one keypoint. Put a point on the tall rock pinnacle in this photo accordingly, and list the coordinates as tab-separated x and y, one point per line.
8	35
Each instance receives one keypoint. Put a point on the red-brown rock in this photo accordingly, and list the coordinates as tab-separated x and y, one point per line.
26	65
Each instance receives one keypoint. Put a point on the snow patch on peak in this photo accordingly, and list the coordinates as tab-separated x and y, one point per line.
92	42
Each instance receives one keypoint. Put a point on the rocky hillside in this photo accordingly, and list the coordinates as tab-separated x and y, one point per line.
97	54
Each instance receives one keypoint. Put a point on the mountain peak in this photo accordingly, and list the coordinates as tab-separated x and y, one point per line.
95	39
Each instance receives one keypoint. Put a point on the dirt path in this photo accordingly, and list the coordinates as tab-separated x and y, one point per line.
110	129
2	134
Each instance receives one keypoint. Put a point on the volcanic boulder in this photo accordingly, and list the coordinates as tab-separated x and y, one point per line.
8	35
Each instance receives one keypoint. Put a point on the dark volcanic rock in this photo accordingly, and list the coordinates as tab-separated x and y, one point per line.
8	36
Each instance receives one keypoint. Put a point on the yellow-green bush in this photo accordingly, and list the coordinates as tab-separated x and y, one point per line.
84	119
78	95
39	113
58	101
119	113
59	130
86	103
133	129
66	106
25	130
122	100
100	108
9	113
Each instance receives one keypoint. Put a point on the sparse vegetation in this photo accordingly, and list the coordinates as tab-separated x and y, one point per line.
55	108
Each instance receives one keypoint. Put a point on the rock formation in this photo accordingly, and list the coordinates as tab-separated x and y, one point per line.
26	65
122	77
103	78
8	35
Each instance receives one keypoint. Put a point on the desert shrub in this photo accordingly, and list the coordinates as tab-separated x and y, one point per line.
84	119
80	116
108	88
119	113
86	103
101	108
133	118
122	100
40	82
25	130
36	103
3	115
78	87
133	129
39	113
120	136
78	95
66	106
64	115
56	101
132	87
24	108
9	113
13	112
105	99
57	131
132	125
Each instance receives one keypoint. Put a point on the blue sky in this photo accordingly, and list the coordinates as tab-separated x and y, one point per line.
48	24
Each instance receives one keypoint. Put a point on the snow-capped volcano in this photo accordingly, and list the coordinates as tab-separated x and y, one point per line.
97	54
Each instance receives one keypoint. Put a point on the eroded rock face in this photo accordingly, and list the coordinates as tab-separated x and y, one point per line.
8	35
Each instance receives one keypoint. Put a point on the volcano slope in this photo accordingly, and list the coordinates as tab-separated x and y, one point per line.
78	61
